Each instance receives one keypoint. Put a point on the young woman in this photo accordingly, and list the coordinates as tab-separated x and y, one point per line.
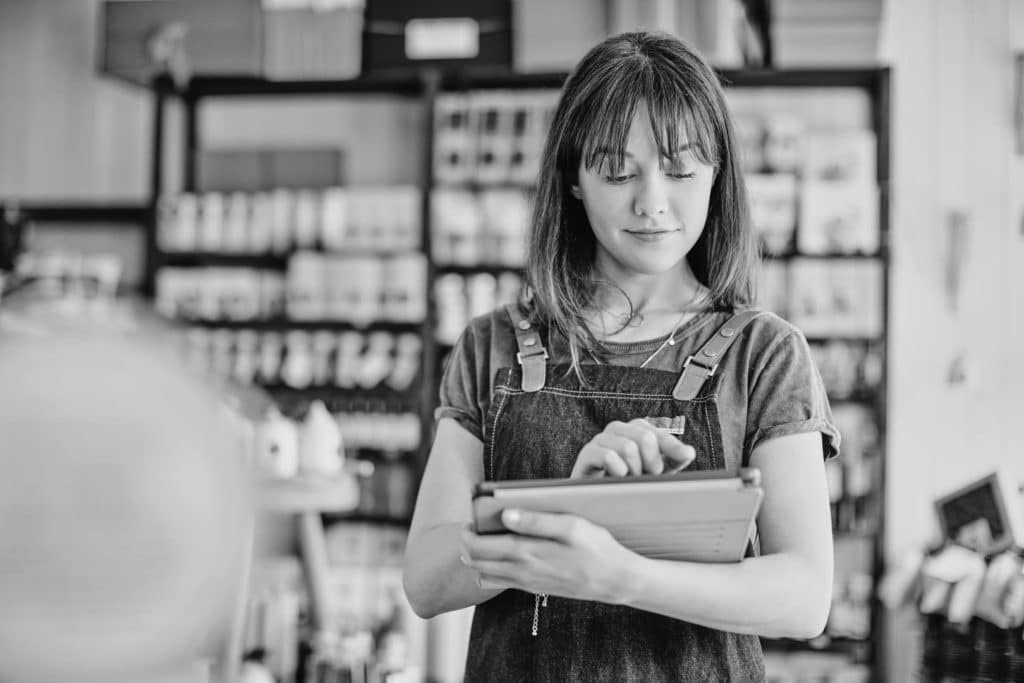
639	316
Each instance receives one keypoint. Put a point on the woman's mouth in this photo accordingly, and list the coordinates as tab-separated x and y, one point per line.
650	235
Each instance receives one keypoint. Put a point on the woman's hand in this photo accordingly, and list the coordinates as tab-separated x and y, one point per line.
634	447
550	553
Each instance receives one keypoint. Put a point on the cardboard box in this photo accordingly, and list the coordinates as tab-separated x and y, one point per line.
222	37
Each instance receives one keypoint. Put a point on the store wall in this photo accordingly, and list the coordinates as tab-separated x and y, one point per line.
64	133
953	151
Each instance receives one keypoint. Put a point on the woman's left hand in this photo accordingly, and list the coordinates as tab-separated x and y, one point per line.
550	553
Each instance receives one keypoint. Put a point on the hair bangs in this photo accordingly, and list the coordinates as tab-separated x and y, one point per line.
601	127
604	124
673	111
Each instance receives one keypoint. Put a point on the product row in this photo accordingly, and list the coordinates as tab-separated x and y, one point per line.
473	228
71	274
849	369
491	137
854	478
386	218
370	605
460	298
814	216
314	287
791	143
827	297
301	359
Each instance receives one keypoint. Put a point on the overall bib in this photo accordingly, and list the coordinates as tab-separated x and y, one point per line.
540	417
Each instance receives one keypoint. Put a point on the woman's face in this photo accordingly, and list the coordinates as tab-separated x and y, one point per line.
646	218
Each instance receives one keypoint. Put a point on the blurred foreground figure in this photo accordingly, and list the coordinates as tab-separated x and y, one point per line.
124	505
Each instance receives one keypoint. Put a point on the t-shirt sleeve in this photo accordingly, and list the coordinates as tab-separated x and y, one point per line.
458	393
787	396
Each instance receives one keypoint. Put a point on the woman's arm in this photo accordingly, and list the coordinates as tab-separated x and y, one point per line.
435	580
786	592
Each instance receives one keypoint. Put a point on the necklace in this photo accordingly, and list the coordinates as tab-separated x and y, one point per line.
670	340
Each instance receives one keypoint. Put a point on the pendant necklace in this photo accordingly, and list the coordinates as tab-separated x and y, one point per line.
671	339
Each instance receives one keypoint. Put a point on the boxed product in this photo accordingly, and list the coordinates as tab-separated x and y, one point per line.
223	37
405	35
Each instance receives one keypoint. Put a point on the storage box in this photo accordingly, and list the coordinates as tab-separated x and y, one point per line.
402	34
223	37
317	40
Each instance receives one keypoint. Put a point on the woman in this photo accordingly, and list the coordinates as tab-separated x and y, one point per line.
640	276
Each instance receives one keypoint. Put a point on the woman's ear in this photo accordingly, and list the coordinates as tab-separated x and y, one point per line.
575	190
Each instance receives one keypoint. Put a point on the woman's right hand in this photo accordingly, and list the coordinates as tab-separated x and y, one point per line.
631	448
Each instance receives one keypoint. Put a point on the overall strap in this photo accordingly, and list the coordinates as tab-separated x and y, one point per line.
702	365
532	353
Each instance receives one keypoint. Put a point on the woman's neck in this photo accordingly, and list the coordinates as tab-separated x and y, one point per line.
644	295
644	308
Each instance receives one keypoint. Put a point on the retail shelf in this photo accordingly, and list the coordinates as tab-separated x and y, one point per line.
406	84
264	261
130	215
491	78
800	78
858	650
853	256
291	325
477	186
493	269
309	494
215	259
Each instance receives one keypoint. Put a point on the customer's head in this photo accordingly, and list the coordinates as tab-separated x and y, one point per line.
123	509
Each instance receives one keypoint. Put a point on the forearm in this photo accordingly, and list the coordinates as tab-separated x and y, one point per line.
775	596
435	580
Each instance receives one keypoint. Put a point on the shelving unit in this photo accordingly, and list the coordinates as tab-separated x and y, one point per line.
874	83
425	88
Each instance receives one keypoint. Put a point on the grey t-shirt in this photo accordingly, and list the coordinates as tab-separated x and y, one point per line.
769	386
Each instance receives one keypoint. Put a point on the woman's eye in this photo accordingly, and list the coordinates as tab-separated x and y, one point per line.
618	179
679	175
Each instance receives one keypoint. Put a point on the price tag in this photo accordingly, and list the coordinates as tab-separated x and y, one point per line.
457	38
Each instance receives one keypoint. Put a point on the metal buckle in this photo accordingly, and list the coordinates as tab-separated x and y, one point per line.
710	370
544	352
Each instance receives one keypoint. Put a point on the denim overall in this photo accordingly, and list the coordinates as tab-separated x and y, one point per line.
539	419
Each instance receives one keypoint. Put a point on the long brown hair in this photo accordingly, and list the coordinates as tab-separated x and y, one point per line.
591	124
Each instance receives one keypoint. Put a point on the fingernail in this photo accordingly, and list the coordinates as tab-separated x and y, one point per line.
463	559
510	517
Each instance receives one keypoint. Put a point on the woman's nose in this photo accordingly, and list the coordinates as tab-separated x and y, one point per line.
652	197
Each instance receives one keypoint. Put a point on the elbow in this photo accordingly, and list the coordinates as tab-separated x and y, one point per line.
808	617
419	599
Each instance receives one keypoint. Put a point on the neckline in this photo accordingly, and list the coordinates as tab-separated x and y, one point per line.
684	330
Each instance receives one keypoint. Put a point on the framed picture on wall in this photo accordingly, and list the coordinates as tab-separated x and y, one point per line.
986	515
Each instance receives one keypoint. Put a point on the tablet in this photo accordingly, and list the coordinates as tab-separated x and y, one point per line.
694	516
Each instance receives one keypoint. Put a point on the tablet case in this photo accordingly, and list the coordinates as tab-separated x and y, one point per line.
693	516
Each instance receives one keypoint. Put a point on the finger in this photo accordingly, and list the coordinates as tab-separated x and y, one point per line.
677	454
494	584
646	437
548	525
626	447
614	465
591	461
504	547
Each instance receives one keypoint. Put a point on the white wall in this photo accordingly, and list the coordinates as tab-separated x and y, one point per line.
953	150
65	132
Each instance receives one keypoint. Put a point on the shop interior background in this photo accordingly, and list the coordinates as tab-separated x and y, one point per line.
73	136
